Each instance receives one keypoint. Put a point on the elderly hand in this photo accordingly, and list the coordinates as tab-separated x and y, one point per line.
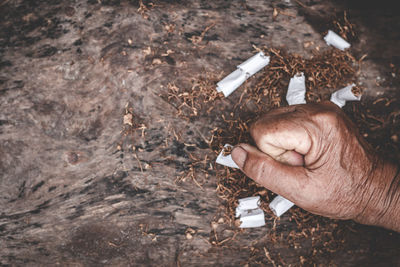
314	156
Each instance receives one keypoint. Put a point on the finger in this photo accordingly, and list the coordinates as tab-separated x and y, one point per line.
289	128
291	158
277	134
280	178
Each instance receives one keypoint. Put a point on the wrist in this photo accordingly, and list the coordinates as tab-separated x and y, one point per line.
381	199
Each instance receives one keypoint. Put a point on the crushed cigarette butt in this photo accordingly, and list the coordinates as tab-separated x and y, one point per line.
335	40
249	213
340	97
226	159
244	71
297	90
280	205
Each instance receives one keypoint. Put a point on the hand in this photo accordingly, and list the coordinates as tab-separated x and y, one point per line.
314	156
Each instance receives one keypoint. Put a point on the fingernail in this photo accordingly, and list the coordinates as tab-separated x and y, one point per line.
239	156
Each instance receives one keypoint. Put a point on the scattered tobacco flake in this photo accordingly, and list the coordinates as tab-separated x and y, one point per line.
357	90
198	99
130	123
344	27
227	151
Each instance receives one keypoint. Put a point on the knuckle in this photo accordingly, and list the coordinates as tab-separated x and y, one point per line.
256	132
328	118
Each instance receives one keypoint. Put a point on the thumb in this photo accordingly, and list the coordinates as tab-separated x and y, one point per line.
280	178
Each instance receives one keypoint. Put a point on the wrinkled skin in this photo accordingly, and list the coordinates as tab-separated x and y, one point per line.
314	156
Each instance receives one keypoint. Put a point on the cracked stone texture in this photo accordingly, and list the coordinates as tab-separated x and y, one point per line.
68	70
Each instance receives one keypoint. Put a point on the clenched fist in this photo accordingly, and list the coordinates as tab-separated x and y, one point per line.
314	156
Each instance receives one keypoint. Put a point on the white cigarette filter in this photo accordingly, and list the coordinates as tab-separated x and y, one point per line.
340	97
296	93
226	160
249	212
248	68
280	205
335	40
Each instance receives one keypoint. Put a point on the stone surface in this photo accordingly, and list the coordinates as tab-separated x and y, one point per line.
74	190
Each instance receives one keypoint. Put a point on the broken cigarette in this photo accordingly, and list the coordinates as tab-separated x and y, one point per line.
335	40
226	160
248	203
245	70
345	94
296	93
231	82
249	213
280	205
254	64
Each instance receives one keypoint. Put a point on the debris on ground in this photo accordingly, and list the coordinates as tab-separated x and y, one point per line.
249	213
279	205
224	158
340	97
335	40
244	71
297	90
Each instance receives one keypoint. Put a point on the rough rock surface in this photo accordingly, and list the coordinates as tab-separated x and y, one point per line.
74	190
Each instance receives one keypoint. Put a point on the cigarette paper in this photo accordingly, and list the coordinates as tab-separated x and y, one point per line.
252	218
248	203
226	160
248	68
335	40
296	93
254	64
231	82
280	205
345	94
249	212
